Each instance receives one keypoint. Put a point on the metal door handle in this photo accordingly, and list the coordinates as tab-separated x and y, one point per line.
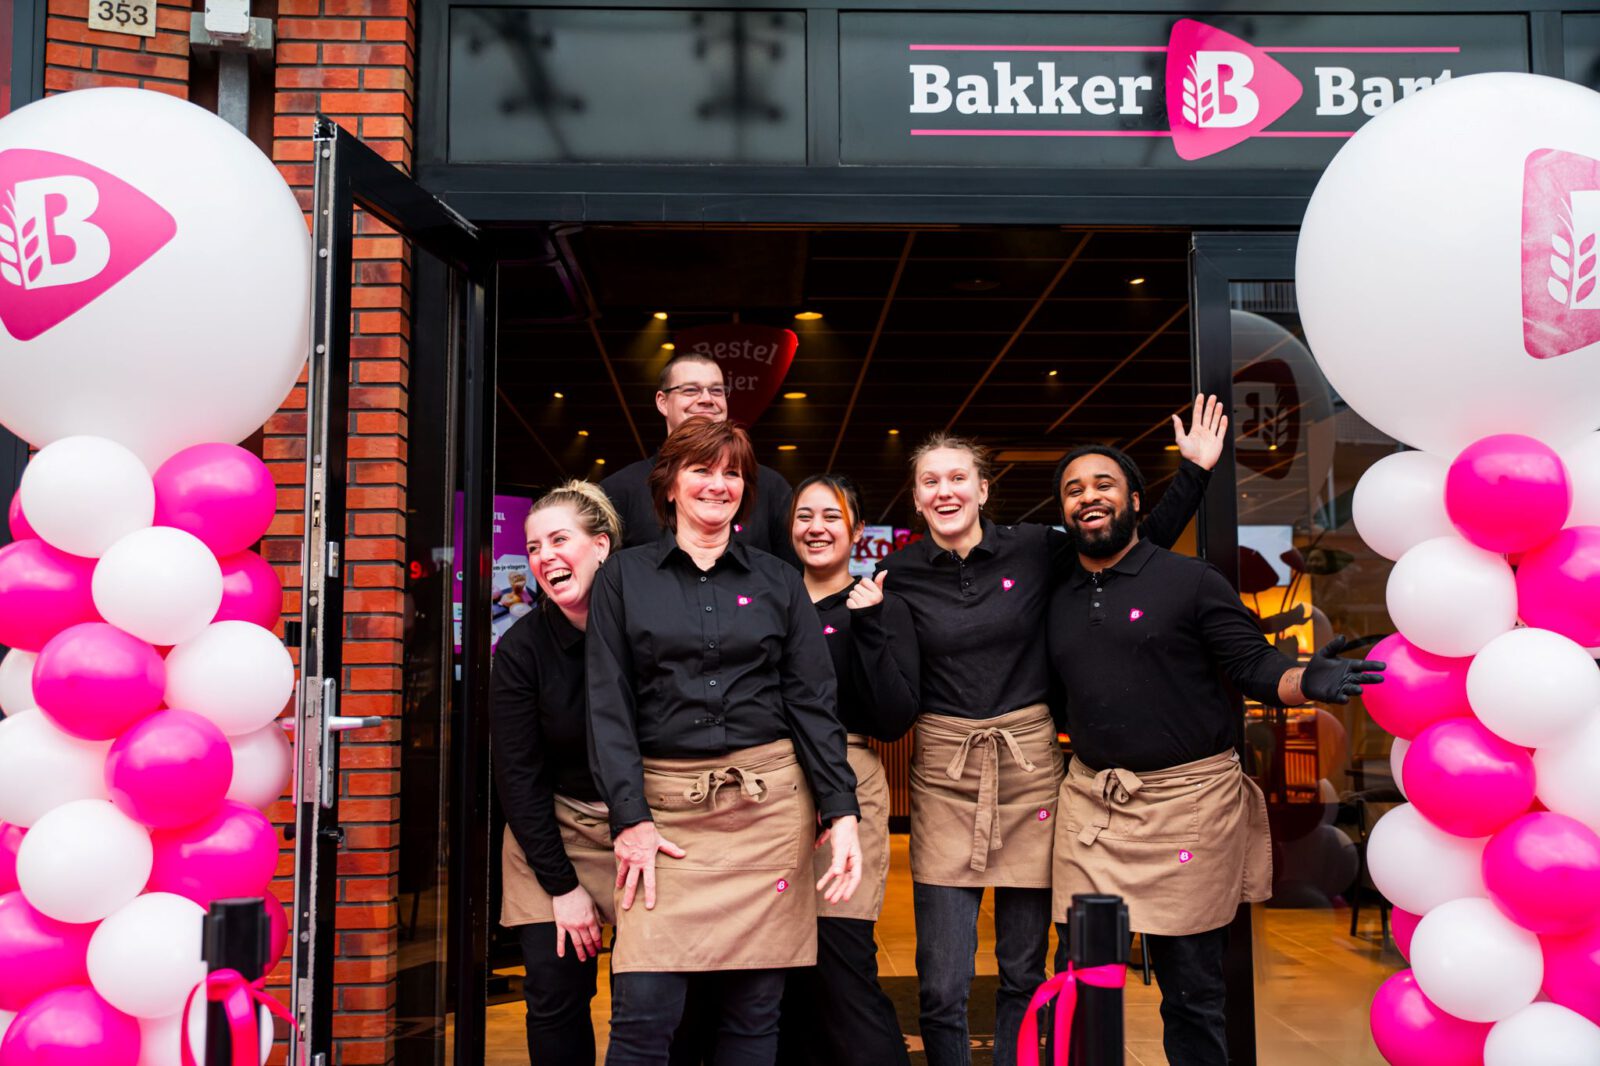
333	722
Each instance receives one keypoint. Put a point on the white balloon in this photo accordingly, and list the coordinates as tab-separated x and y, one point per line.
1531	685
1582	461
1418	866
1399	503
1543	1034
160	584
1450	597
263	761
234	673
16	681
42	768
205	241
145	958
83	494
1474	962
1442	359
83	861
1567	771
5	1021
1397	759
158	1037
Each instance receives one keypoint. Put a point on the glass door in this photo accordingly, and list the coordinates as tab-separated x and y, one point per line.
400	399
1280	527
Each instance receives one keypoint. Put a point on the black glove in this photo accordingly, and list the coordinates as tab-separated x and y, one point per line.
1330	679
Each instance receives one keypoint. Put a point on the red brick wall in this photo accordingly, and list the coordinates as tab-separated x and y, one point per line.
77	57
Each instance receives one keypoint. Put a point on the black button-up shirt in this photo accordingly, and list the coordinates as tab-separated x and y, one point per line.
765	525
874	652
536	708
688	664
1139	648
980	620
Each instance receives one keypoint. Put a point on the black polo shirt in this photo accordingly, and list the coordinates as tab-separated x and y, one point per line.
980	620
688	664
1141	649
765	524
537	720
874	651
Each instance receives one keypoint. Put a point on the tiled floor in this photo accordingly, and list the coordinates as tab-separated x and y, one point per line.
1313	984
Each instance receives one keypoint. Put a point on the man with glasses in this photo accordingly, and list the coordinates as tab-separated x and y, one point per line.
691	386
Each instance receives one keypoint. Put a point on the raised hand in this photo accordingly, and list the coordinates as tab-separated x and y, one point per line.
1202	443
868	593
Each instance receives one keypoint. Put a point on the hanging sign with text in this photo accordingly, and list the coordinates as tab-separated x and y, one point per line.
754	360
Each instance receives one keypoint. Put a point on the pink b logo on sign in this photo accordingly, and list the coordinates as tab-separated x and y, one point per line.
1044	815
783	885
68	233
1185	855
1560	223
1221	90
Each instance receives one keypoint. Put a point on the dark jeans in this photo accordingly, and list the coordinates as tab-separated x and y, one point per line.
558	991
646	1009
1193	993
835	1013
947	944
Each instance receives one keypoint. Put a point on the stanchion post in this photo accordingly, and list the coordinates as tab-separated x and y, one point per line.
1097	935
236	937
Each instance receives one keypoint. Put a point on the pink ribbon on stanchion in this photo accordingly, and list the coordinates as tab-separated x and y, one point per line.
239	999
1064	985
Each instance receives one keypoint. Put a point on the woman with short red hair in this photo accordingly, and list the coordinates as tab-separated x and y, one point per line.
713	737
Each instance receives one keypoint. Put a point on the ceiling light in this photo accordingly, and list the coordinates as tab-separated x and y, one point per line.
561	396
660	316
786	447
669	347
599	462
1171	448
807	316
1135	281
1272	447
1052	373
794	396
894	433
583	433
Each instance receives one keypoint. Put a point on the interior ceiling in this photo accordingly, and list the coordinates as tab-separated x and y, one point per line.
922	330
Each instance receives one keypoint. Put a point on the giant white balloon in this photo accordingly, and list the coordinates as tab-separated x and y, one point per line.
262	763
145	958
160	584
16	681
42	768
1450	597
1567	772
1543	1034
83	494
1531	685
1582	461
1476	332
1418	866
235	673
83	861
1397	760
1474	962
1399	503
178	311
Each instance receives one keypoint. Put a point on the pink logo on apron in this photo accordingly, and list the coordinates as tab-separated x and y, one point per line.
1185	855
1044	815
783	885
1560	257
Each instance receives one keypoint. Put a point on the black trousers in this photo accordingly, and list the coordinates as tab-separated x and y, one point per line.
558	991
1193	993
835	1013
647	1007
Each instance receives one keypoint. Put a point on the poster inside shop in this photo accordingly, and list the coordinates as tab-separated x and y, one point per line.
875	543
512	588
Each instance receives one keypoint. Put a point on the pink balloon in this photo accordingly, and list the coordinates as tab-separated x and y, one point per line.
71	1027
170	770
232	854
220	493
17	521
39	953
278	932
1419	688
1543	872
94	680
1402	924
42	592
1410	1031
251	591
10	840
1558	585
1466	780
1507	493
1572	971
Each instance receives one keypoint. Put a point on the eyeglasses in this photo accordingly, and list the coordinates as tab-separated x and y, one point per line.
692	392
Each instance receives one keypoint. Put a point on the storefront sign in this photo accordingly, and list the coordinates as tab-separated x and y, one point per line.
1142	90
754	360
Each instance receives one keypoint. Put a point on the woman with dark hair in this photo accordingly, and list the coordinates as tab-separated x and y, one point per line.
556	862
713	739
877	676
985	766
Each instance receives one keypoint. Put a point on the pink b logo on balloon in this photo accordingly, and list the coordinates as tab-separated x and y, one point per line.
1560	260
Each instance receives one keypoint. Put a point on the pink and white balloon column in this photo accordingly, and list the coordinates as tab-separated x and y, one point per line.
1446	270
140	743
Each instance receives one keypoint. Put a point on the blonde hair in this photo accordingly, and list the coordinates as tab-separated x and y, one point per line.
590	503
982	459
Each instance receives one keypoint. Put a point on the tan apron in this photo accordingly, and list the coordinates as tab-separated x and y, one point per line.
1184	847
739	899
872	793
587	838
983	799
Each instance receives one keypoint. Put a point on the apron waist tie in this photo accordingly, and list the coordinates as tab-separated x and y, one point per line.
986	822
1111	786
710	782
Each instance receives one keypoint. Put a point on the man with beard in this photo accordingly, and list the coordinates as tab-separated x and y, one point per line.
1155	807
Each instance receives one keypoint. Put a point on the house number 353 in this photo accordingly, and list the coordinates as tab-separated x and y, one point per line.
137	17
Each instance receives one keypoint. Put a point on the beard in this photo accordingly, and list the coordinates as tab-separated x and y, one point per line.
1107	541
